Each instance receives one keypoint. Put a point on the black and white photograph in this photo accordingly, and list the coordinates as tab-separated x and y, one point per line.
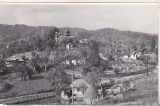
79	53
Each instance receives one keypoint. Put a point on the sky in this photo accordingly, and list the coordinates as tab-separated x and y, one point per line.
133	17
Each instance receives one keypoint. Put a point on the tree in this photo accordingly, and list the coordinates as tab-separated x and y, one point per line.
134	47
25	71
153	43
93	54
39	43
52	38
34	61
59	79
52	33
93	61
142	46
93	78
45	58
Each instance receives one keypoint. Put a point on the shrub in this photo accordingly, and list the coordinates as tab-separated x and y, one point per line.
117	71
4	86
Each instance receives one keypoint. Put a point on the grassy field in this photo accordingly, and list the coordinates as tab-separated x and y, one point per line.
46	101
34	85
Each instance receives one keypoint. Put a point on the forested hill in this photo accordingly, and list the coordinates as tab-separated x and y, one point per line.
16	33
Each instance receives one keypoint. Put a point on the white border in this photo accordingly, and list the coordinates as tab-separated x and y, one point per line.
92	2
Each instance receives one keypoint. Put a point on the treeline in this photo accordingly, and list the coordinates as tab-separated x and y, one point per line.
21	38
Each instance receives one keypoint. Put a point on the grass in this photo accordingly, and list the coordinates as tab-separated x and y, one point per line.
27	87
45	101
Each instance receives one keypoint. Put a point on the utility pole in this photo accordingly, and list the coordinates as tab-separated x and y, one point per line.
72	64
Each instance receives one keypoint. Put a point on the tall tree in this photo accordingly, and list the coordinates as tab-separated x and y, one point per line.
134	47
34	61
59	79
153	43
93	56
52	38
142	46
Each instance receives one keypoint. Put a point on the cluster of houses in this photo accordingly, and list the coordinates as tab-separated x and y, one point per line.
138	55
17	58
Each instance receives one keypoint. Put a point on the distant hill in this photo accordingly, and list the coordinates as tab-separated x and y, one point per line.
11	32
8	33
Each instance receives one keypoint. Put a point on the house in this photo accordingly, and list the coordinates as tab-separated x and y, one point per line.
83	41
69	62
13	60
79	87
69	46
81	60
106	82
153	58
17	58
135	55
125	56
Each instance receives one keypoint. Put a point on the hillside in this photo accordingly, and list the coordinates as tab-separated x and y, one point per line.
11	33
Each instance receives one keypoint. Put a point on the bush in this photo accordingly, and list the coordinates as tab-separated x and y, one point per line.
4	86
117	71
50	66
5	70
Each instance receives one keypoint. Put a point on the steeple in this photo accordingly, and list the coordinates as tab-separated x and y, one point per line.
67	33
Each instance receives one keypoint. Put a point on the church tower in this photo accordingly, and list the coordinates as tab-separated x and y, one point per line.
67	33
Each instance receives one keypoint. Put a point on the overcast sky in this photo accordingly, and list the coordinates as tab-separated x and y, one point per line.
141	18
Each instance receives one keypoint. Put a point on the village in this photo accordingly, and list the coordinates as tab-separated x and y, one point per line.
77	71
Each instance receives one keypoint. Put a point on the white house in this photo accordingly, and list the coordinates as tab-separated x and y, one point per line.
135	55
81	61
83	41
13	60
69	46
125	56
69	62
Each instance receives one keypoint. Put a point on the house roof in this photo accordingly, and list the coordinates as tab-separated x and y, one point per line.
19	56
78	82
91	92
